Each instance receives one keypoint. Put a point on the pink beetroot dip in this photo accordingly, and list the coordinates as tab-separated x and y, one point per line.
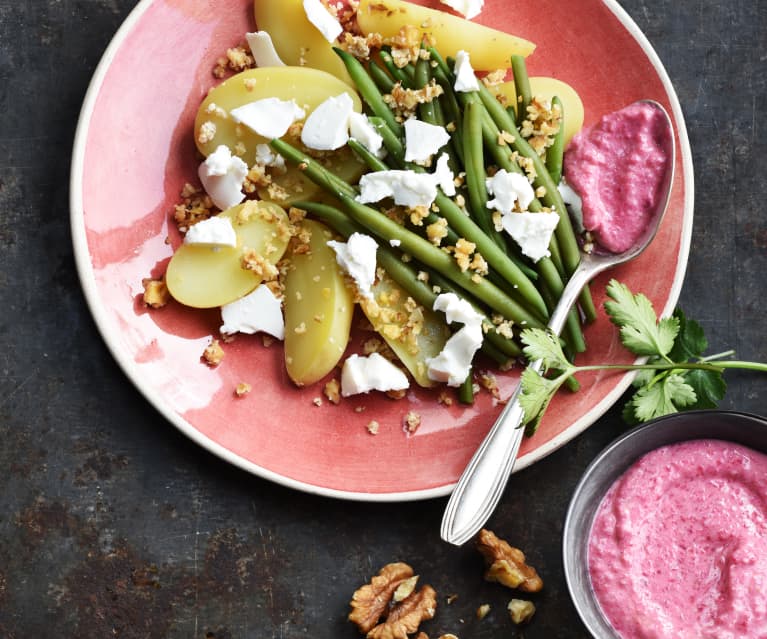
617	167
678	548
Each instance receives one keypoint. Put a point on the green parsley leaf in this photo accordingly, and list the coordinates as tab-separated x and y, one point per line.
709	387
666	396
544	345
641	332
690	343
537	393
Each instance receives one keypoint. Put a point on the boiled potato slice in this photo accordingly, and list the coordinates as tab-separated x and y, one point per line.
488	48
205	277
318	309
413	332
308	87
297	41
548	88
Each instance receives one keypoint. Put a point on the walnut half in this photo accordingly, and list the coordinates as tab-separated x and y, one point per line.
506	564
376	612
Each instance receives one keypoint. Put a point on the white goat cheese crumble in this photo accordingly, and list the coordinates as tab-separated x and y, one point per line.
407	187
365	133
259	311
321	18
222	175
532	231
265	156
422	140
465	80
468	8
357	256
453	363
262	48
269	117
509	187
327	127
374	372
215	231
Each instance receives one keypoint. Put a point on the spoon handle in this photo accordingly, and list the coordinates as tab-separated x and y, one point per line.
481	485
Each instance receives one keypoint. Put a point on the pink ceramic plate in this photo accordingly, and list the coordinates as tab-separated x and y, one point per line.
133	153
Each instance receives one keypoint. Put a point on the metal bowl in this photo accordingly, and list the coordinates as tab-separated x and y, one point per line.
740	428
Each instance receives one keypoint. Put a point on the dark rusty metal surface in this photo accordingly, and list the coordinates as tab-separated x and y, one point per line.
112	524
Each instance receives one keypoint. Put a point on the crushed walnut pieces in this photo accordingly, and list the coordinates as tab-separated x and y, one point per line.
236	59
541	124
372	426
489	382
252	260
506	564
404	102
412	421
194	207
332	391
437	231
156	294
242	389
521	610
360	45
376	613
213	354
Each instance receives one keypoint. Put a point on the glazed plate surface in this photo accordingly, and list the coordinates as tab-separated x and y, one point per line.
133	153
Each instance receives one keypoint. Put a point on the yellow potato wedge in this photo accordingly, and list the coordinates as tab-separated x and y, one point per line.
309	88
488	48
412	332
548	88
206	277
296	40
318	309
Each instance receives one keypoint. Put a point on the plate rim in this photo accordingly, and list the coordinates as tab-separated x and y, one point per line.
88	281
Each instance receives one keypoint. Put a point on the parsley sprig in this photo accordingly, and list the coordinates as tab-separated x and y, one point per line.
676	376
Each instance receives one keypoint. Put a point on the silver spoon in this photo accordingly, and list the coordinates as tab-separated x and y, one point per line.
481	485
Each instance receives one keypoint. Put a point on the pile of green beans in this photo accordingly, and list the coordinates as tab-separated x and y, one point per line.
517	289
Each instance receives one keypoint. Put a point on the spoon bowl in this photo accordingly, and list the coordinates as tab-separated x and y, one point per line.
482	483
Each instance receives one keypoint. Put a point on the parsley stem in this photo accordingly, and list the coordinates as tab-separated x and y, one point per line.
715	356
660	366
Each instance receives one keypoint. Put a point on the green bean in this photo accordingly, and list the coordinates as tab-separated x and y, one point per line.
553	282
522	86
466	389
451	118
474	158
382	80
398	73
555	153
552	198
556	257
368	90
439	60
391	142
512	113
374	163
421	79
313	169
